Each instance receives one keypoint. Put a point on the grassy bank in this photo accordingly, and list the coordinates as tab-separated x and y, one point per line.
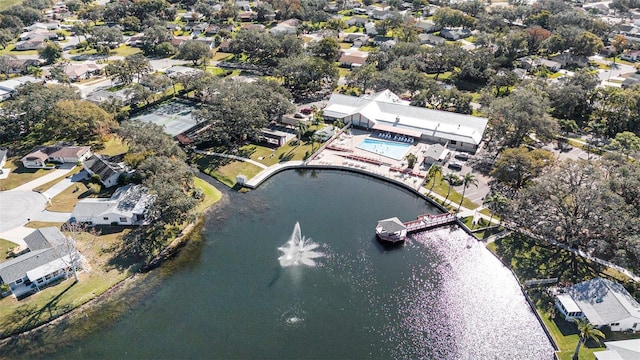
533	260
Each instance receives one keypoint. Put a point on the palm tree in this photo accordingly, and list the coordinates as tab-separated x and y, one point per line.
494	202
451	179
587	331
468	179
433	173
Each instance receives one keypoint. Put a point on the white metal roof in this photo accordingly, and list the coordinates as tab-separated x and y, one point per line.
48	268
568	303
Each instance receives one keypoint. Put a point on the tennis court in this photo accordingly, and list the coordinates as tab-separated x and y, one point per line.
175	116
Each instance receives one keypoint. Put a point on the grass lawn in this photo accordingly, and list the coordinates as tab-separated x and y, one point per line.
41	224
442	187
56	300
343	71
268	156
344	45
67	199
19	175
4	4
225	170
112	146
5	245
211	195
124	50
222	56
443	76
10	49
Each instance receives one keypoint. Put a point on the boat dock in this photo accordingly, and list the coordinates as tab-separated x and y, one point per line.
393	230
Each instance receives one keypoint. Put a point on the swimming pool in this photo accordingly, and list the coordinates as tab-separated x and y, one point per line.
390	149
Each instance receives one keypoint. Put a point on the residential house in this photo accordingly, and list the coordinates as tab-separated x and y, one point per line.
631	80
258	27
356	21
430	39
530	63
426	26
352	37
353	58
567	59
455	34
172	27
176	41
47	261
213	29
128	205
332	8
378	12
135	41
41	156
388	44
244	5
9	87
53	25
380	39
436	154
207	41
248	16
108	169
286	27
198	29
603	302
620	350
31	44
370	29
85	70
40	34
225	45
632	56
386	112
20	66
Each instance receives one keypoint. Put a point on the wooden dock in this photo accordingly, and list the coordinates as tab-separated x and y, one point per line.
393	231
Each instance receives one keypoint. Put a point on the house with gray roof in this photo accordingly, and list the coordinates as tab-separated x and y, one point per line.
386	112
107	168
620	350
603	302
46	262
127	206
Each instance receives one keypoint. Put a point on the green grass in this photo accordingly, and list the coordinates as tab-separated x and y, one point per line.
442	187
69	197
222	56
269	156
10	50
112	146
5	4
343	71
124	50
443	76
225	170
41	224
51	302
5	245
19	175
211	195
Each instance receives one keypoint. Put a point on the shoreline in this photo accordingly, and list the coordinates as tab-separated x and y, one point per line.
129	283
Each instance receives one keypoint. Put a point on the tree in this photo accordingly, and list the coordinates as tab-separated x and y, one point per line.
434	171
468	179
587	331
119	71
327	49
78	120
154	36
619	44
68	249
149	139
411	160
7	64
105	35
5	37
131	23
195	51
138	64
513	118
307	75
450	179
615	110
494	202
587	44
56	72
626	142
516	167
51	53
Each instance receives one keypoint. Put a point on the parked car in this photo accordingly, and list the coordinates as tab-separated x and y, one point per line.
306	111
455	165
299	116
462	156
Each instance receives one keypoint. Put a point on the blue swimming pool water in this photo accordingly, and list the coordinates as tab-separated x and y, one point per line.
390	149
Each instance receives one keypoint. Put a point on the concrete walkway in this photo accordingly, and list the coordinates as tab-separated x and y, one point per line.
52	175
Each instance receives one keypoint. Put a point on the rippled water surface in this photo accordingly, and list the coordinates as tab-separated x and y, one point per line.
442	295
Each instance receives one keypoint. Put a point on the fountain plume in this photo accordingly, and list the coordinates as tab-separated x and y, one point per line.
299	250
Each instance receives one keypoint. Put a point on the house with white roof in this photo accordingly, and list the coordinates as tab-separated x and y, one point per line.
386	112
127	206
620	350
602	302
47	261
286	27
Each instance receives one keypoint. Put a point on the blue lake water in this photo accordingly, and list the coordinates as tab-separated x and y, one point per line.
440	296
390	149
